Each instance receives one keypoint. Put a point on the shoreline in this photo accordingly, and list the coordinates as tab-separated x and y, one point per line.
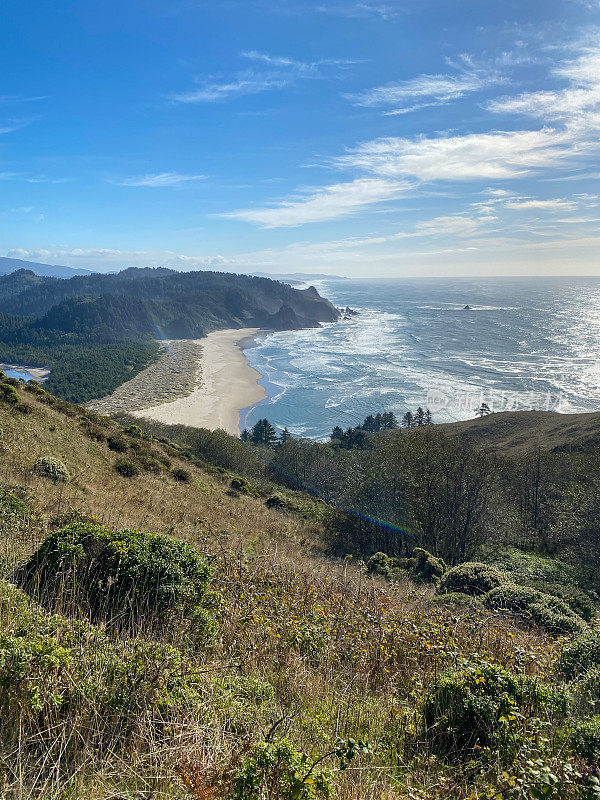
37	373
226	385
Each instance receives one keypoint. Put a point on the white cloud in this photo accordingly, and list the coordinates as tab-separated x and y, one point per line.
444	226
329	202
430	90
291	63
247	82
575	103
497	155
14	125
158	179
279	72
542	205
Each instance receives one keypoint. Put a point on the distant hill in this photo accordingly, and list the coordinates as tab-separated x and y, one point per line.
8	265
300	277
94	332
179	305
521	431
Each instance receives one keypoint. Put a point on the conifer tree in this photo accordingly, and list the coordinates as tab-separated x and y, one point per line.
263	433
408	420
284	436
419	416
483	410
389	421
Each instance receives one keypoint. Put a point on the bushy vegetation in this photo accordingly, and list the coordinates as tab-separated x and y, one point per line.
544	610
52	468
483	707
118	576
472	577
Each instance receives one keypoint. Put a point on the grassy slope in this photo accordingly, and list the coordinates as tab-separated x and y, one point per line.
347	655
526	430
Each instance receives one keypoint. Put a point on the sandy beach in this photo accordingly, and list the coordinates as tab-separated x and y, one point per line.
226	385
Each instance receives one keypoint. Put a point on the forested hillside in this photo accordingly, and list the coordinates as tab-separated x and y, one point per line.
177	623
95	332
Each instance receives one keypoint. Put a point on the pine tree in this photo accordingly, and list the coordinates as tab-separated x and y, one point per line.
428	417
284	436
408	420
483	410
337	434
419	416
369	423
389	421
378	422
245	435
263	433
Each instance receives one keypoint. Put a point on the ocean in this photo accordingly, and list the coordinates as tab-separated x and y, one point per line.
522	343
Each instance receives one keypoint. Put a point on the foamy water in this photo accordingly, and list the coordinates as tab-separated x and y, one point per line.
524	343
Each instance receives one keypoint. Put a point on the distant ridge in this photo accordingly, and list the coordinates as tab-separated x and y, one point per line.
301	277
8	265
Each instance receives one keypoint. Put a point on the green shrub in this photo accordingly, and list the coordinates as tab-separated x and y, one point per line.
52	468
585	739
14	502
426	568
578	601
102	692
523	566
379	564
181	475
472	577
243	486
483	705
276	501
579	656
10	397
457	600
279	771
586	691
127	468
550	613
135	432
108	574
148	461
94	431
389	567
117	443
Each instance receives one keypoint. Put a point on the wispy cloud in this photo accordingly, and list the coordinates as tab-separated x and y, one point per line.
9	99
496	155
246	82
329	202
15	125
577	102
277	73
300	66
429	90
541	205
159	179
384	9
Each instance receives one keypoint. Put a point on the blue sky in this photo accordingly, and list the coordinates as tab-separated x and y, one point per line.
358	137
